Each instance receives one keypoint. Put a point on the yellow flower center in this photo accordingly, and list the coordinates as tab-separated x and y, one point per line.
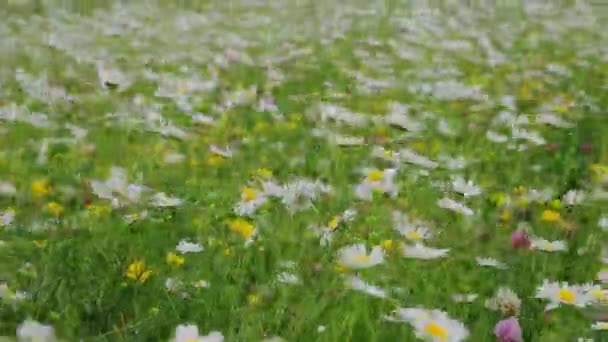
567	296
361	258
375	176
333	223
242	227
248	194
598	294
54	208
548	246
190	339
414	235
387	245
436	330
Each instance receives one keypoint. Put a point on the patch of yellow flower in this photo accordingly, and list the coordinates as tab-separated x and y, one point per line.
505	216
242	227
54	209
264	173
138	271
41	187
214	160
254	299
550	216
40	243
175	260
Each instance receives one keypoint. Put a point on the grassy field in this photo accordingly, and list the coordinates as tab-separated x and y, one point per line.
303	171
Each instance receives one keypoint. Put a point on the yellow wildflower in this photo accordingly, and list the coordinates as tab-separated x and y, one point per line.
264	173
550	216
242	227
420	146
261	127
499	199
505	216
214	160
54	209
40	243
41	187
227	251
137	271
175	260
555	204
518	190
254	299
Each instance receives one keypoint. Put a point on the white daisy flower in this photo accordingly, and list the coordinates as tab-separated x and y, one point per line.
251	200
432	325
34	331
377	180
174	158
450	163
454	206
603	222
344	140
465	187
359	284
200	284
548	246
327	232
505	300
412	229
531	136
385	154
111	78
356	257
410	156
173	285
404	121
562	294
444	128
574	197
161	200
185	246
189	333
491	262
553	120
496	137
288	278
203	119
117	188
130	218
7	189
599	326
298	195
464	297
420	251
224	152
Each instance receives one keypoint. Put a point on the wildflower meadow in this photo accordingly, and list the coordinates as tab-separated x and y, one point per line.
297	170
